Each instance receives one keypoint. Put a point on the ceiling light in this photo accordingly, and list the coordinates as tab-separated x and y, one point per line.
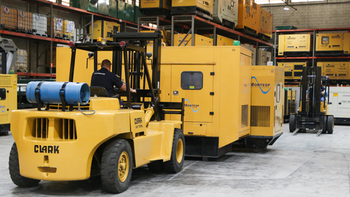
286	8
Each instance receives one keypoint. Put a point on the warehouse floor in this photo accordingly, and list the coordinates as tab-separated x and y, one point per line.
302	165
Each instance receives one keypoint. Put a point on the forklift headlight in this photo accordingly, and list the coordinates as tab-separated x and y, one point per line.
103	41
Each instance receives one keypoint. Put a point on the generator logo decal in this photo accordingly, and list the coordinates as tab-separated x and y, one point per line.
192	106
264	85
138	123
3	108
46	149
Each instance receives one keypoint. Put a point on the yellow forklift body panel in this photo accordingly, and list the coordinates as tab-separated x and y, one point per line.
44	142
215	82
267	101
8	97
294	43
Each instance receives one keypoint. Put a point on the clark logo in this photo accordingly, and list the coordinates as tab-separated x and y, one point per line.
261	85
138	123
46	149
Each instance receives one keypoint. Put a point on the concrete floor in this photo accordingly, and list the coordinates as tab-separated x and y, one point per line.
302	165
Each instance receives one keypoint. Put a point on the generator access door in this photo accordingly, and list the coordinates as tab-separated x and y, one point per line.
194	83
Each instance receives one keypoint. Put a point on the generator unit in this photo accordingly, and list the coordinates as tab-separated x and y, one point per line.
294	44
8	100
226	12
265	24
104	29
292	70
155	7
217	113
339	104
248	17
335	70
166	40
192	7
199	40
267	100
221	40
329	42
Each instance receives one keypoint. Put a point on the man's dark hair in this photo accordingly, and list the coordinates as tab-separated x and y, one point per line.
106	63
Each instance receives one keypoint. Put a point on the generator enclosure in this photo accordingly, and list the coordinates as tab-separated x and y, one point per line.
192	7
292	70
267	101
104	29
294	44
339	104
221	40
166	40
8	100
215	83
253	50
199	40
335	70
265	24
248	16
155	7
226	12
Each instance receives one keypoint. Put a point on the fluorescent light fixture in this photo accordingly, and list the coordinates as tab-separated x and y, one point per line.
286	8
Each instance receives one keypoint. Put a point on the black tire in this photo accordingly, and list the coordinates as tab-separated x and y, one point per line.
176	161
292	123
330	124
324	130
156	167
15	174
116	158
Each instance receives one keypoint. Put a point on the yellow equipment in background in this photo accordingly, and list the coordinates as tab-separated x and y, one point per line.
8	100
335	70
291	44
221	40
292	70
192	6
104	29
332	43
166	40
199	40
264	57
267	101
248	16
265	24
217	112
155	7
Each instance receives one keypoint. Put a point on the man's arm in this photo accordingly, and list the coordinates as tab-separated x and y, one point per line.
117	82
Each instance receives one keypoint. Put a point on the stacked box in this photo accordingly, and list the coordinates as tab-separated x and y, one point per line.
22	61
68	29
40	24
25	21
57	27
8	18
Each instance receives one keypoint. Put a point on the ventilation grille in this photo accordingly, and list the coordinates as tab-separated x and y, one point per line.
244	122
260	116
67	129
41	128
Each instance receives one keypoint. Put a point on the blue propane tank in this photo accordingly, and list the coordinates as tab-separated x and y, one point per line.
49	92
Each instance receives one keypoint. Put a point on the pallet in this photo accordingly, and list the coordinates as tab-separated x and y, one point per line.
248	31
264	37
67	37
192	10
331	53
296	54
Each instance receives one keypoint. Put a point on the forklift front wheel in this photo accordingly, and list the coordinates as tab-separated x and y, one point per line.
16	177
292	123
116	166
176	161
330	124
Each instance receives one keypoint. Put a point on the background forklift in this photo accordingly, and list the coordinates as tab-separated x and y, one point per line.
67	142
312	112
8	83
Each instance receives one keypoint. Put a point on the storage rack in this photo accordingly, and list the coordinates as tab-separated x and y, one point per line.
192	24
313	58
82	14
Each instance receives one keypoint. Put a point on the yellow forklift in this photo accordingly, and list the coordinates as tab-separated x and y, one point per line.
8	83
65	140
312	114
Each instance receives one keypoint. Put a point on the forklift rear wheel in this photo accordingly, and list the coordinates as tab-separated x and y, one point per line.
16	177
176	161
292	123
324	130
116	166
330	124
